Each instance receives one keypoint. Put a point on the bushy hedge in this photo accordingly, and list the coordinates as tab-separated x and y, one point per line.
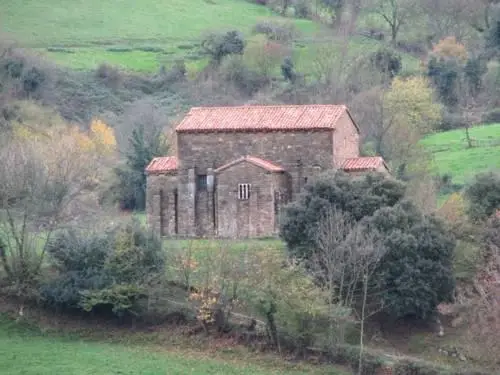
111	271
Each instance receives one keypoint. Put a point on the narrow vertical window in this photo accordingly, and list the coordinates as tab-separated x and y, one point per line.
243	191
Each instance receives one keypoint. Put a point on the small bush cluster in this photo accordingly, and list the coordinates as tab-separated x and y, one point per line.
111	271
247	80
278	32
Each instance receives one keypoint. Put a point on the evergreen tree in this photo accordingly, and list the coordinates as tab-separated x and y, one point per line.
131	187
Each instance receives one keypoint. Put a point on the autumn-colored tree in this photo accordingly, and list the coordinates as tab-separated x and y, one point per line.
450	48
410	111
44	170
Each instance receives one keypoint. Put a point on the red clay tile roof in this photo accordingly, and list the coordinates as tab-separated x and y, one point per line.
259	118
267	165
363	163
164	164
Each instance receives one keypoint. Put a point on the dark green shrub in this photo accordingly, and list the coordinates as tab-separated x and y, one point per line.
415	273
483	195
150	49
287	70
111	271
111	76
357	197
386	61
302	8
186	46
119	49
245	79
220	44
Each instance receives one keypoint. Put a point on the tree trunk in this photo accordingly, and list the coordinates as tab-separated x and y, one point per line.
362	327
467	136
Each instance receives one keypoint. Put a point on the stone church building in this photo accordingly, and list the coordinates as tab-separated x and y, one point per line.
236	167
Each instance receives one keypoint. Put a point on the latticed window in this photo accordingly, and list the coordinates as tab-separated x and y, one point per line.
243	191
201	182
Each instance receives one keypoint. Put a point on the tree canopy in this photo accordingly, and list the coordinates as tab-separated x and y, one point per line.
413	275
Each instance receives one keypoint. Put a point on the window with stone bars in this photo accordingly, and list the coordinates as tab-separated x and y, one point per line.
243	191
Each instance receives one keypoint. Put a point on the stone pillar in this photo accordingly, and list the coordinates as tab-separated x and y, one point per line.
191	203
211	200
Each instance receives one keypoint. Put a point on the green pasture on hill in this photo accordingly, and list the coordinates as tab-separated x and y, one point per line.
452	156
143	35
24	350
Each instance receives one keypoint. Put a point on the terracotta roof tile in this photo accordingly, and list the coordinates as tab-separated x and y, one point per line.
254	118
265	164
363	163
164	164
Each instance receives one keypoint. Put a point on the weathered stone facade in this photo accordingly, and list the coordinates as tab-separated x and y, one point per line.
231	178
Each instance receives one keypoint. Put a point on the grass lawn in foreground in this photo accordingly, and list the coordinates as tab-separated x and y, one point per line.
452	156
24	350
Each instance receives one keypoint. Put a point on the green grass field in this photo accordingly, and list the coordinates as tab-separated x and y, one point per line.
451	155
143	35
25	350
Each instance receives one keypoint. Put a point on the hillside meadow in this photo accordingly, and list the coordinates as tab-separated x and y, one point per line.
142	36
451	156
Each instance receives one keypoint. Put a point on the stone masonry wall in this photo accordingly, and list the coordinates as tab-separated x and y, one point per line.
212	150
345	141
254	217
161	204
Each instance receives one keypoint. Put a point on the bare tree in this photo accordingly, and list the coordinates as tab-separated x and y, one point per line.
447	18
345	258
40	178
395	13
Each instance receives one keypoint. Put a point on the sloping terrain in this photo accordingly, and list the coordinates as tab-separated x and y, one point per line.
143	35
452	156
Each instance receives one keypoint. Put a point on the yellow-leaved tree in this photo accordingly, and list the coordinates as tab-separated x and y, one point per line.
410	112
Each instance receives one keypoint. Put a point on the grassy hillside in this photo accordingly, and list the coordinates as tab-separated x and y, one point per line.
452	156
142	35
26	351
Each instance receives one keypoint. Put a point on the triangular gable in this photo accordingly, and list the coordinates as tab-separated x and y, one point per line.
264	164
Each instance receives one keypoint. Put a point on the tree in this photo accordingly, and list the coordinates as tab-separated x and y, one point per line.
447	17
131	186
344	259
492	33
221	44
44	171
264	56
409	113
356	198
483	196
387	62
395	13
336	8
287	70
413	275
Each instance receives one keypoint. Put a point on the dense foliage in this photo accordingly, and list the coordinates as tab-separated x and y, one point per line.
414	273
130	189
109	270
483	195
